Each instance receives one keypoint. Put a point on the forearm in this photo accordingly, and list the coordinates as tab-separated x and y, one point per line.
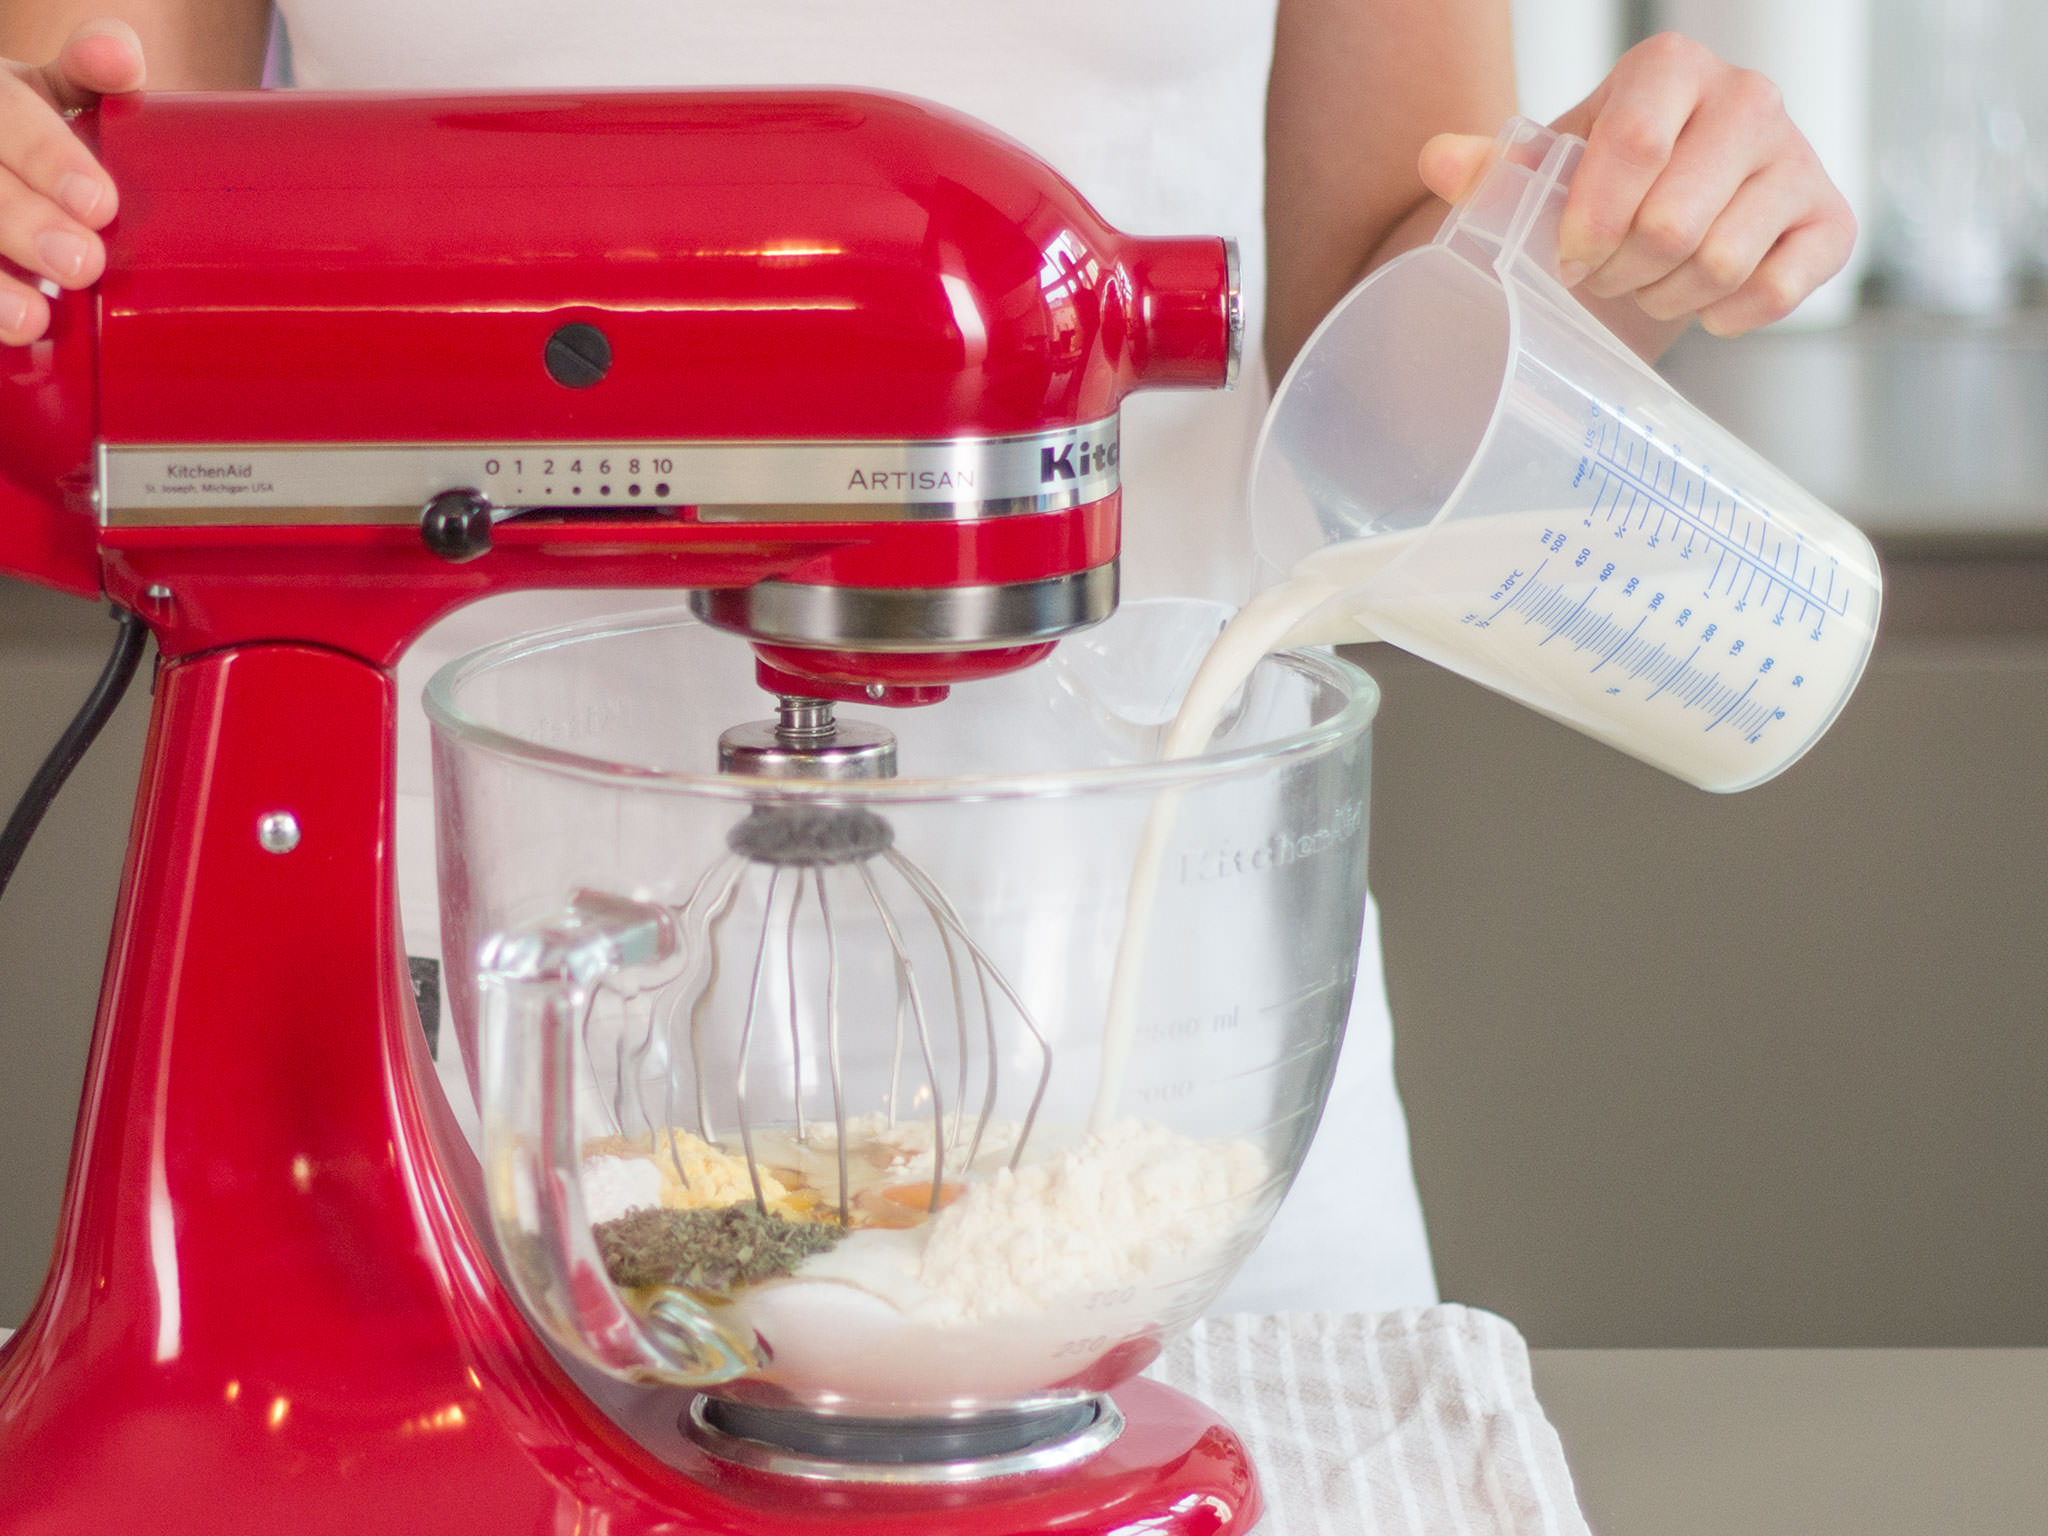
189	44
1357	87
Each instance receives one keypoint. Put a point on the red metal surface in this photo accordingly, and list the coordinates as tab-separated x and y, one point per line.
46	432
914	678
1177	1470
292	268
305	268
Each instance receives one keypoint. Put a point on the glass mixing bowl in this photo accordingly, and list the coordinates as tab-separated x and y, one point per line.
810	1094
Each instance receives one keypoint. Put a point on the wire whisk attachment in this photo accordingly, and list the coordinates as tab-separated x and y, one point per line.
813	924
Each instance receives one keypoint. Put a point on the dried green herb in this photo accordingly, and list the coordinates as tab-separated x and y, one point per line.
707	1250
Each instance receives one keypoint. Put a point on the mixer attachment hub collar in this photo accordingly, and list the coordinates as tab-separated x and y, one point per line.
810	836
807	741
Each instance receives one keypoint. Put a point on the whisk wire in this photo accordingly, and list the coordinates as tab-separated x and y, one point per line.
700	998
747	1043
962	1026
906	983
796	1034
963	1046
832	1041
633	1061
708	903
949	917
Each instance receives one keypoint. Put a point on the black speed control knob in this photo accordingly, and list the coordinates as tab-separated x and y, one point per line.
456	525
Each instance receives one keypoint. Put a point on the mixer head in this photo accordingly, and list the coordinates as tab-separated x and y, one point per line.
849	365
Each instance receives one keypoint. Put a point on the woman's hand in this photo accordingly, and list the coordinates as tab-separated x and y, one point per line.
1696	196
54	197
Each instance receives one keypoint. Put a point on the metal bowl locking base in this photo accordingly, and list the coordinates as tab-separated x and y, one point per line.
904	1453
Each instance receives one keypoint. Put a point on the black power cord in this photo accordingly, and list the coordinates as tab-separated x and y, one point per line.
71	746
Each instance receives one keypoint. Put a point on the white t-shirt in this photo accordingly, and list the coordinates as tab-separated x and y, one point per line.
1155	110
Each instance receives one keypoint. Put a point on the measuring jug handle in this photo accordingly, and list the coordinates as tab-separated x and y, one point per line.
537	986
1512	214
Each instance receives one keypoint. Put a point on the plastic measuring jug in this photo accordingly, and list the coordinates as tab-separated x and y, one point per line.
1480	472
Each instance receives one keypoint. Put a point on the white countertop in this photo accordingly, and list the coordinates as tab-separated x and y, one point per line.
1801	1442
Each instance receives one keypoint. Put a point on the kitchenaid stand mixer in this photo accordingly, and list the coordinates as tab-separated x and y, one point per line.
845	365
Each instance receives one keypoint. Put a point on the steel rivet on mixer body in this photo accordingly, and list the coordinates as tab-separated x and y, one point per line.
278	832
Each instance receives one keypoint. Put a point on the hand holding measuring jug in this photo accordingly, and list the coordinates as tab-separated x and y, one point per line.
1698	196
1464	462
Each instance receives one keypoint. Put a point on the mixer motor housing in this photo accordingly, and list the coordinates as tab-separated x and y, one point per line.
849	361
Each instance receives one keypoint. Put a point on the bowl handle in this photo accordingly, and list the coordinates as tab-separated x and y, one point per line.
537	985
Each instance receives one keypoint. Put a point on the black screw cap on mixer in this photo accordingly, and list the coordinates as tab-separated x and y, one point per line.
456	525
578	356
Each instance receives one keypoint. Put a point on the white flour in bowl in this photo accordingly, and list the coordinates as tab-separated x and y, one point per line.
1136	1201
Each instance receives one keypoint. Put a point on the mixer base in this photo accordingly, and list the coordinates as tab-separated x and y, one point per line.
835	1449
1173	1469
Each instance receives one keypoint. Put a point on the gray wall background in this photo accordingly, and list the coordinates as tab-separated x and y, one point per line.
55	917
1681	1069
1757	1070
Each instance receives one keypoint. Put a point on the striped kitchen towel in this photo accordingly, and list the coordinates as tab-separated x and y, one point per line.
1414	1423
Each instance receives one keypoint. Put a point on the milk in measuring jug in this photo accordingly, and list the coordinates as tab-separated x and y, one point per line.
1703	659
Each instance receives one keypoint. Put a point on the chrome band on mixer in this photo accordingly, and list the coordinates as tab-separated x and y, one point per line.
1233	312
853	481
912	619
746	1437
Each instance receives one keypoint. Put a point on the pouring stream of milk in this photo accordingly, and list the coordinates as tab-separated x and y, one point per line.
1299	611
1472	561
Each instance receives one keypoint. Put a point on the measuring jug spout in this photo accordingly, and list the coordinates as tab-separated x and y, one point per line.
1486	476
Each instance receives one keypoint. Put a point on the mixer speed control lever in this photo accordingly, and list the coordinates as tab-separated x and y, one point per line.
456	525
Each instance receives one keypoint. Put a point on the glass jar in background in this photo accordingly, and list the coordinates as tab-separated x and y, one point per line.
1818	53
1952	152
1563	49
2030	51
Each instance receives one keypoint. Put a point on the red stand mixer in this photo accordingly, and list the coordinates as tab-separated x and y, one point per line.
846	366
